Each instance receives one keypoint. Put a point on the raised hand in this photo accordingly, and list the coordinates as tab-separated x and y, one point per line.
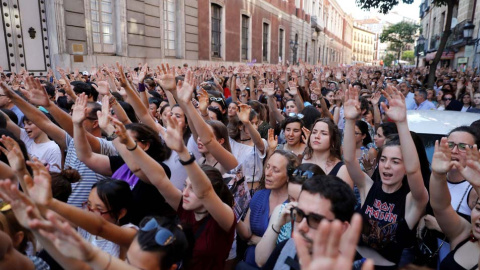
79	109
272	139
240	84
13	153
243	113
203	100
305	134
376	98
142	73
441	160
185	88
326	247
103	120
292	86
103	88
352	105
36	94
397	110
173	135
269	89
471	172
123	79
120	130
40	187
167	78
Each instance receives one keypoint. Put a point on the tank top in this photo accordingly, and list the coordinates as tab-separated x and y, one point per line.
384	226
336	168
457	191
449	261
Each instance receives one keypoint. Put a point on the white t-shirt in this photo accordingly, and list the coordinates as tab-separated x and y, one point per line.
103	244
48	152
250	160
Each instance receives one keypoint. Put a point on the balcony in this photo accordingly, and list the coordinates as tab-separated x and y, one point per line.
317	23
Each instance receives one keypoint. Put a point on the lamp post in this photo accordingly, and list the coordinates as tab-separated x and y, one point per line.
420	45
294	47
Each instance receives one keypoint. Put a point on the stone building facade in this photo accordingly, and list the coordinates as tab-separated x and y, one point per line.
83	33
363	45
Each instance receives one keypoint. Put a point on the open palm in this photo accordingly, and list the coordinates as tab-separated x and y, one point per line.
441	160
185	88
352	105
173	135
397	110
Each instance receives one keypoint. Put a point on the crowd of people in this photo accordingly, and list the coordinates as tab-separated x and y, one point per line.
236	167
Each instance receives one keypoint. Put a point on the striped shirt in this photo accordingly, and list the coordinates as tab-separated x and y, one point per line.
81	189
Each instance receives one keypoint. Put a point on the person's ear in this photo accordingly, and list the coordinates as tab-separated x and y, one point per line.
95	124
147	146
122	213
174	267
221	141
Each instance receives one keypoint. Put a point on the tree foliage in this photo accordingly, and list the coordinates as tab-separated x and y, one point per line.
389	58
399	34
408	56
384	6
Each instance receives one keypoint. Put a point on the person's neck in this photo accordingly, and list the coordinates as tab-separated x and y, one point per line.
454	176
280	194
200	214
9	106
96	132
42	138
321	156
210	159
295	147
477	106
245	139
359	145
391	188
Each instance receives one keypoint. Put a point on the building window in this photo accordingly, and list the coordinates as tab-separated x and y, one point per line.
169	27
245	24
216	30
281	34
265	41
101	13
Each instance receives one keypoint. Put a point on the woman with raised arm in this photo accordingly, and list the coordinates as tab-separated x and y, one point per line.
324	149
211	136
205	204
390	208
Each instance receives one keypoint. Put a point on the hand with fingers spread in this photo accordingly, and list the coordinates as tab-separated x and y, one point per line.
326	254
121	132
240	84
79	109
185	88
269	89
471	172
292	86
397	110
167	78
305	134
272	139
352	106
40	187
123	79
36	94
103	120
441	160
376	98
203	101
103	88
142	73
173	135
243	113
14	154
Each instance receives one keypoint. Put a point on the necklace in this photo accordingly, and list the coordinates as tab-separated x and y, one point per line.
202	213
245	140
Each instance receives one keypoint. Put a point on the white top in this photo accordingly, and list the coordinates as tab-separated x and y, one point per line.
103	244
250	160
48	152
459	191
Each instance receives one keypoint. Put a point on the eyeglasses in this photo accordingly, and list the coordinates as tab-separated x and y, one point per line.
462	147
86	205
313	220
318	105
299	115
304	174
447	99
163	237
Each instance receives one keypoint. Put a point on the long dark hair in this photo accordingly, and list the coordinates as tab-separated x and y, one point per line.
335	142
363	126
145	134
116	195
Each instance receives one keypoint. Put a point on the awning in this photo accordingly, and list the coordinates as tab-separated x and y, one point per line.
445	56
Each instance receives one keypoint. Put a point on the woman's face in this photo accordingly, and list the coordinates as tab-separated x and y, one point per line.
430	94
358	136
466	100
460	137
254	123
212	115
279	104
276	172
476	99
291	107
177	112
391	167
320	137
202	148
141	259
232	109
218	106
190	200
475	216
294	191
153	110
448	98
439	96
330	97
32	130
447	87
96	205
140	144
166	112
293	133
369	116
379	137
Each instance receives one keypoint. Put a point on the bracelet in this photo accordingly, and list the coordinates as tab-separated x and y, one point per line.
141	87
275	230
109	262
133	148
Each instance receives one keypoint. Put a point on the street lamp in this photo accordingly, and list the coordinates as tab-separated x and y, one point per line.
294	47
420	45
468	30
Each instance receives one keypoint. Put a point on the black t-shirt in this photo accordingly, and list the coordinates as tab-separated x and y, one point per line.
147	201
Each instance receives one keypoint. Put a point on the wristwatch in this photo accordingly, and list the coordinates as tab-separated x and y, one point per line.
187	162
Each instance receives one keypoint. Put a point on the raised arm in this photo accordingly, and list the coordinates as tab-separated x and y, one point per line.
11	126
97	162
293	90
397	112
269	90
200	183
244	114
455	228
352	111
184	93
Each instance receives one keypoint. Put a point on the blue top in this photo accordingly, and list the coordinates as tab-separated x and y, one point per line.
259	210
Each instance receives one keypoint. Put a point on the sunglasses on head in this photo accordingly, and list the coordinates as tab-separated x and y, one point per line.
313	220
299	115
163	237
304	174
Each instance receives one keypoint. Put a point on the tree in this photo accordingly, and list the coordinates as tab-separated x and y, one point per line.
389	58
399	35
384	6
408	56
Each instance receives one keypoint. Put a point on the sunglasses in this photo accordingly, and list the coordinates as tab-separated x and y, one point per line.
447	99
299	115
163	237
462	147
313	220
304	174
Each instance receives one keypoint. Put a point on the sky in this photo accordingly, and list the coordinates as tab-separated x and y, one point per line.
410	11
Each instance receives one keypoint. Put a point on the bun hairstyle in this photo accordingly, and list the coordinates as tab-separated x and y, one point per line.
61	183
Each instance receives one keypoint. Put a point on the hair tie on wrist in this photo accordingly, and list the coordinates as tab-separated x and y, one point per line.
133	148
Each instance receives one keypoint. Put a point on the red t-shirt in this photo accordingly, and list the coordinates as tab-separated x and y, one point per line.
212	246
226	92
